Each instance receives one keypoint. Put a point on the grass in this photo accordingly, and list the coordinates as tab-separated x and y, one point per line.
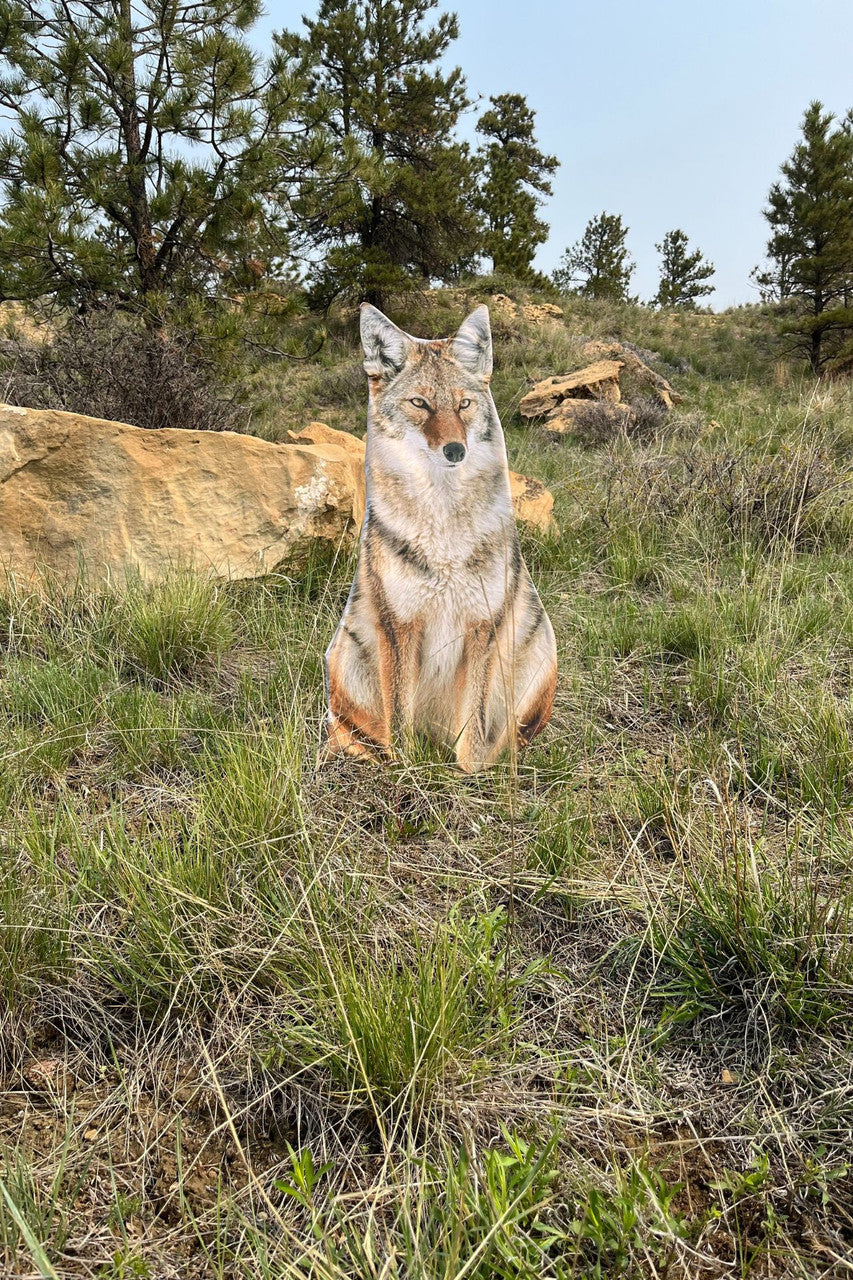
582	1016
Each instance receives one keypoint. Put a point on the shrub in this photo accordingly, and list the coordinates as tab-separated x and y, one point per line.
789	497
109	366
649	417
597	422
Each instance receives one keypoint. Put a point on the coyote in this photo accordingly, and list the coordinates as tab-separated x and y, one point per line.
443	631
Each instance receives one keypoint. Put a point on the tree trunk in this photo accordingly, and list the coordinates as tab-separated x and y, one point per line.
369	236
140	214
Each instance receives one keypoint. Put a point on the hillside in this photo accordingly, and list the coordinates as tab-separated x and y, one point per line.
587	1014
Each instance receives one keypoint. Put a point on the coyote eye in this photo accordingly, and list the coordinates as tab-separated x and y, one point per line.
463	404
418	402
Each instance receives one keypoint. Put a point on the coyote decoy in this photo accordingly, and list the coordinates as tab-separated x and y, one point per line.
443	630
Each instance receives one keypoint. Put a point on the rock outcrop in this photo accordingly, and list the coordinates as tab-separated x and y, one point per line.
563	399
599	381
533	504
504	309
654	383
116	499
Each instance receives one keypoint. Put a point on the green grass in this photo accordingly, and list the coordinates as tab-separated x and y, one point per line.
583	1016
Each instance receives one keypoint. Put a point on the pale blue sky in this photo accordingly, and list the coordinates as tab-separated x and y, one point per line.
671	114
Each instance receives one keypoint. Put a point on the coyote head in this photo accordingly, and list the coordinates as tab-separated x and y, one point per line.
432	397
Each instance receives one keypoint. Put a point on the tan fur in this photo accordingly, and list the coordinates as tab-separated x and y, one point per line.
443	631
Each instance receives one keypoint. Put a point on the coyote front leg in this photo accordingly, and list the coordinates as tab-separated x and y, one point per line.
473	680
400	645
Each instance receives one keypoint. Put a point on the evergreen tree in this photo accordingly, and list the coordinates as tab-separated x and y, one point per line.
683	274
515	178
599	265
774	281
145	150
810	212
397	206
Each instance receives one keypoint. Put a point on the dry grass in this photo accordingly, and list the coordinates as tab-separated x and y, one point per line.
586	1015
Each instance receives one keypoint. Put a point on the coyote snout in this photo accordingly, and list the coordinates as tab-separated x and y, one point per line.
443	630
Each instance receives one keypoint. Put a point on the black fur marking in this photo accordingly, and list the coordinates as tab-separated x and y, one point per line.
357	640
487	435
516	562
399	546
481	556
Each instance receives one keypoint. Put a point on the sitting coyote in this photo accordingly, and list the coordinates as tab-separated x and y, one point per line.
443	630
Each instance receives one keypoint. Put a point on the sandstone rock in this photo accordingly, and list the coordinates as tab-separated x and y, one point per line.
533	504
541	312
503	311
634	366
599	381
569	416
118	499
318	433
507	311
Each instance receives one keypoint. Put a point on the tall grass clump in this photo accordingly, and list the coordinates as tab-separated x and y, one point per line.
166	629
746	935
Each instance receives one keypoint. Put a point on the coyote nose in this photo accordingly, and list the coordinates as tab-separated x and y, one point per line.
454	452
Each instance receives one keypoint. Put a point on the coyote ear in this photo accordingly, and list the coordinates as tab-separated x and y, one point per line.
472	345
385	346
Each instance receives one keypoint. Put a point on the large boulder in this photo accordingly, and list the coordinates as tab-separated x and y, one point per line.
78	491
533	504
117	499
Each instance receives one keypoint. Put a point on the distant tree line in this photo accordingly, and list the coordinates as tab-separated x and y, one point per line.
151	154
152	157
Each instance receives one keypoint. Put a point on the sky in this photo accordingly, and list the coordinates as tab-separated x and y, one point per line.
670	114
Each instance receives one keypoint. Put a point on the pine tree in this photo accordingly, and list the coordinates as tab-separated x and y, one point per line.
515	178
810	212
682	274
396	207
146	149
599	265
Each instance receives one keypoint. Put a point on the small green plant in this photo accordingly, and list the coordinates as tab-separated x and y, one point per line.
746	1202
632	1219
491	1218
303	1181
